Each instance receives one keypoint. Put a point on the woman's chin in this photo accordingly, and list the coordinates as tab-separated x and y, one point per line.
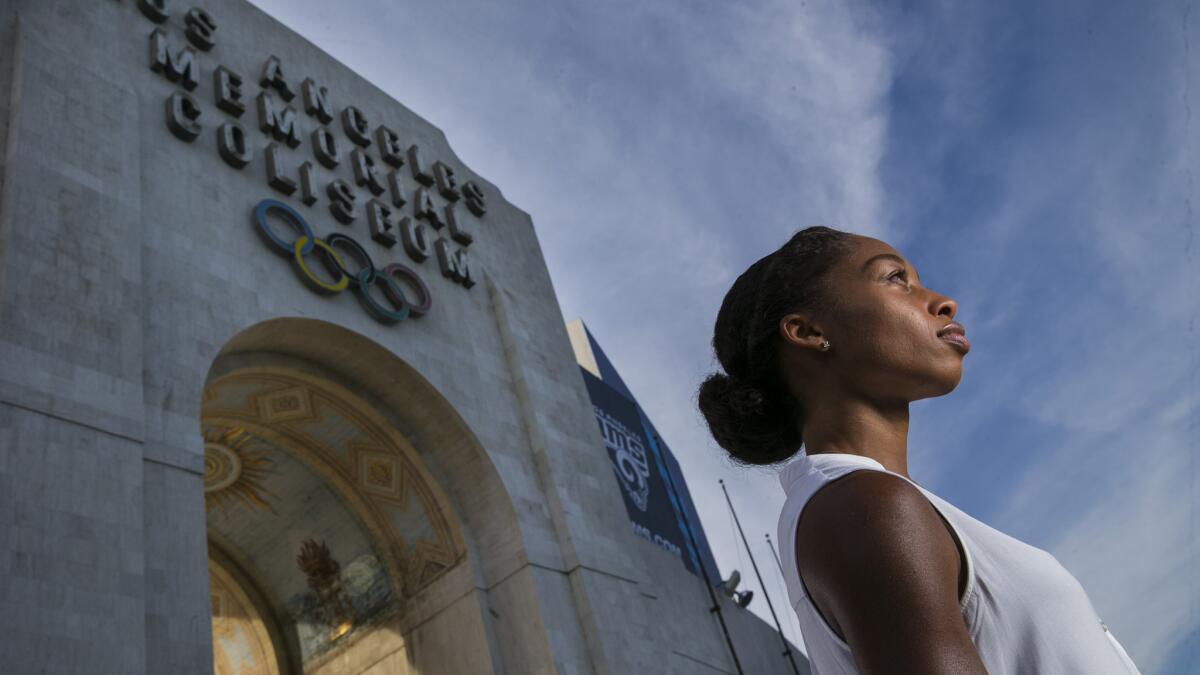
944	381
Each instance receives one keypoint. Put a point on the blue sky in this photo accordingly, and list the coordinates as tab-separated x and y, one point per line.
1035	161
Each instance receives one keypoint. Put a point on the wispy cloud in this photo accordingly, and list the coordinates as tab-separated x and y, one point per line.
1075	426
1034	161
660	148
1115	498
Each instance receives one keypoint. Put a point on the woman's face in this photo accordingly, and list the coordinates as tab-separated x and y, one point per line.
883	328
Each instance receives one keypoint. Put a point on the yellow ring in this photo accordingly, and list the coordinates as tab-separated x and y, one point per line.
316	283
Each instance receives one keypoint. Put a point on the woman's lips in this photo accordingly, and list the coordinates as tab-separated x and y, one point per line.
959	341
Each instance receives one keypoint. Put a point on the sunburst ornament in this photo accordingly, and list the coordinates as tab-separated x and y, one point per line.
234	471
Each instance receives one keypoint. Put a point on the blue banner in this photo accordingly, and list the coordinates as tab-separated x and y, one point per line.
655	510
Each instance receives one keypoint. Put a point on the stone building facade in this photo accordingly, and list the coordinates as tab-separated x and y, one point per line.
284	385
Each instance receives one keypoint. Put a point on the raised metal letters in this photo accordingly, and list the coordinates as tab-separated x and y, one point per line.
457	231
325	148
447	184
178	68
380	223
474	198
454	265
231	143
396	188
316	102
389	146
272	78
306	184
279	124
275	177
355	125
155	10
365	173
227	86
423	208
415	238
200	28
182	112
341	201
418	169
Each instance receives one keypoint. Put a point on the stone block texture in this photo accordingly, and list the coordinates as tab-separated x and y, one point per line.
131	271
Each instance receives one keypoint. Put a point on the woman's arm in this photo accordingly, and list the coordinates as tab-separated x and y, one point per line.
882	567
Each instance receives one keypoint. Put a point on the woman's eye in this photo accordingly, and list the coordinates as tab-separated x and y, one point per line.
899	273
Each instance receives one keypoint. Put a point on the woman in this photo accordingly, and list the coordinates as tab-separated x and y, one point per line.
825	342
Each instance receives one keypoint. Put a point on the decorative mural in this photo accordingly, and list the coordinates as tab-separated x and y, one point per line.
241	643
321	504
342	597
292	538
233	471
324	579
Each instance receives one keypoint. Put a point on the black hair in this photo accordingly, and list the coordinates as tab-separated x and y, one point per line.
749	409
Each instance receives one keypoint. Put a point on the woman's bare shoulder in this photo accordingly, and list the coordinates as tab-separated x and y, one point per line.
881	566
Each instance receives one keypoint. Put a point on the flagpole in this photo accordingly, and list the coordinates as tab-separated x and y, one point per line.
787	648
776	555
716	605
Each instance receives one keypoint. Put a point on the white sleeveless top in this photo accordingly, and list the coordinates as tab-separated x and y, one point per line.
1024	611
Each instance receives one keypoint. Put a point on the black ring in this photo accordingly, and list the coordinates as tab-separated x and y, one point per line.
356	250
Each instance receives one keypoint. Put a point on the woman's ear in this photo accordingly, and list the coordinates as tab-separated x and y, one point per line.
797	330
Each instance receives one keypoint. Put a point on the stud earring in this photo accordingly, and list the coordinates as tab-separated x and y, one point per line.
824	345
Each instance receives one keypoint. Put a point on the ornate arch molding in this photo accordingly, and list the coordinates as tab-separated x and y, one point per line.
342	438
409	404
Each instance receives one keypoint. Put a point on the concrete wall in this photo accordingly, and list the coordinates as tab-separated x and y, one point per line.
676	612
128	264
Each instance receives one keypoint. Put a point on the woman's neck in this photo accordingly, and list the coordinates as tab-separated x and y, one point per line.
859	428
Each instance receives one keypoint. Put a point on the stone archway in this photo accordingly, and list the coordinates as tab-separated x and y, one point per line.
321	492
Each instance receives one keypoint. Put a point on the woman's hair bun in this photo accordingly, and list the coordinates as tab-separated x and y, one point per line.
750	409
754	426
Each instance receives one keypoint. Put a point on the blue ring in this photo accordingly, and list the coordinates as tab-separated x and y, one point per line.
294	219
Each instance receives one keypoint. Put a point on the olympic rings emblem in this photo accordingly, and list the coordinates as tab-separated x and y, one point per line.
362	276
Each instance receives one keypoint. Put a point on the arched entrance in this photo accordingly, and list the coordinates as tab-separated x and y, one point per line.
333	545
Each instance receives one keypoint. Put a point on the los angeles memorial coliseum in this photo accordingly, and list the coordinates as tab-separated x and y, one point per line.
284	386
